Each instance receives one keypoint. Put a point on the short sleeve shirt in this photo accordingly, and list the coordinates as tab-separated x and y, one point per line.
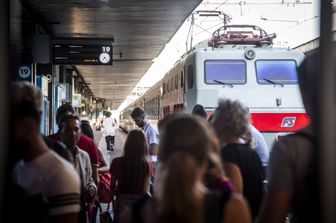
108	127
53	179
152	134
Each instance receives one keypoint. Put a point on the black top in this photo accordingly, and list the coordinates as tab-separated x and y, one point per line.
251	170
214	203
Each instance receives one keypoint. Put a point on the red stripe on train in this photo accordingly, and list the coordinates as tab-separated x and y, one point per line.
279	122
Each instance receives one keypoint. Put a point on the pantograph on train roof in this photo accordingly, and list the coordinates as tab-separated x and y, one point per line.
242	35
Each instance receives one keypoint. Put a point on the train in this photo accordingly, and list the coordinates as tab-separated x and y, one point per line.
239	62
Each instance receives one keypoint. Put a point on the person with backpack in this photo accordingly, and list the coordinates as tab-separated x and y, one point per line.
293	181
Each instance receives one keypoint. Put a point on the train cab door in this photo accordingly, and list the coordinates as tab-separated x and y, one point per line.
190	85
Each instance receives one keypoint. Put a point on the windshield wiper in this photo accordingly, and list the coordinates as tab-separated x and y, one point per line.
273	82
223	83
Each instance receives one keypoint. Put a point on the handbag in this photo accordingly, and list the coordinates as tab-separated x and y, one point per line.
104	188
105	216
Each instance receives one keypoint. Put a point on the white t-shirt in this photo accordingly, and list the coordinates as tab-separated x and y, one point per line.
52	177
109	127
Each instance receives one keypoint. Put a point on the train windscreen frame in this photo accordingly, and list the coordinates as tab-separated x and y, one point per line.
235	72
276	72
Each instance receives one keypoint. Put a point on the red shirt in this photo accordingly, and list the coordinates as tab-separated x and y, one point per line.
84	143
116	171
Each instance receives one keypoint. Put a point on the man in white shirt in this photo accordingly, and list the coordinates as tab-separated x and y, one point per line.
109	131
151	133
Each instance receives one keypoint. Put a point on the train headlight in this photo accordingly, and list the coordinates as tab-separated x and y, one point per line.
250	54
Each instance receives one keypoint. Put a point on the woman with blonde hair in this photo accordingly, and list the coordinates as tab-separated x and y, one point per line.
181	196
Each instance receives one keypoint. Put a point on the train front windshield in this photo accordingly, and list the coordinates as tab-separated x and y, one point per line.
225	71
276	71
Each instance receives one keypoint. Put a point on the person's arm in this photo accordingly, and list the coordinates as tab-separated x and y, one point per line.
275	206
236	210
95	174
104	166
232	171
113	171
153	140
63	194
260	146
91	188
94	162
153	149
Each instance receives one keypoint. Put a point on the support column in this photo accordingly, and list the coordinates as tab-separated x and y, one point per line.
4	82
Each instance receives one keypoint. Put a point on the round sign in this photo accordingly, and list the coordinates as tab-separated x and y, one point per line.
104	58
24	71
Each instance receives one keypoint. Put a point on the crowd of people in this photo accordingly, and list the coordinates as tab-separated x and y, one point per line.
194	168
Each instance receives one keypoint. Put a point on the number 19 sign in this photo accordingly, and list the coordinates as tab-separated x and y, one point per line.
24	72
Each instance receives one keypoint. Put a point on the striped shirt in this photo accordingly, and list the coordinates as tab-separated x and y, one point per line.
51	178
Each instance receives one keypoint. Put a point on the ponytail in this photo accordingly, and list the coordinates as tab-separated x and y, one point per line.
181	197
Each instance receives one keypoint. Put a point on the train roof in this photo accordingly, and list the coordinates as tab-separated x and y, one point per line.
234	48
236	37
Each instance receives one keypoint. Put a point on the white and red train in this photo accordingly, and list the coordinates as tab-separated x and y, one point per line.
239	64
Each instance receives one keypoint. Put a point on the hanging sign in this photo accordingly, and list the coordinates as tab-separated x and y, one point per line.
82	52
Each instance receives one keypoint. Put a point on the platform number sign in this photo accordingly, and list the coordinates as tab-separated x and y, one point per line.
105	57
24	72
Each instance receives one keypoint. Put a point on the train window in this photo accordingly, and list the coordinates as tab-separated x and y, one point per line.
190	73
225	71
176	82
276	72
182	84
167	87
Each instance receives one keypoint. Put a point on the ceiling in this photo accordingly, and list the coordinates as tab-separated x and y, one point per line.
140	30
